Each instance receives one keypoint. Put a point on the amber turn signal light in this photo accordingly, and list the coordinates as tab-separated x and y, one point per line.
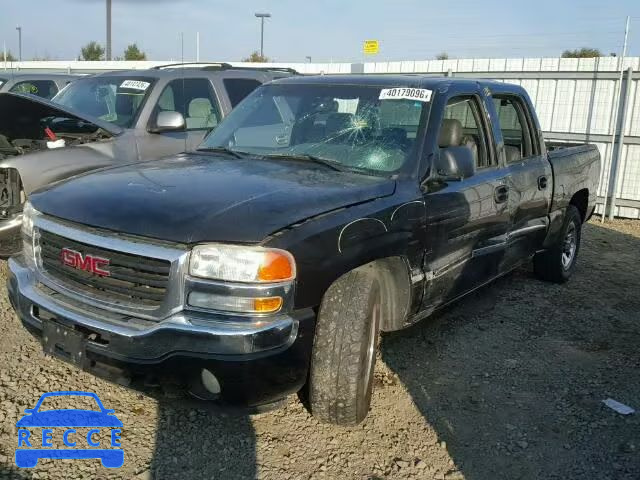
267	305
276	266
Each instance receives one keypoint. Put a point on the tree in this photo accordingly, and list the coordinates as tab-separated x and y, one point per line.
9	58
133	53
583	52
92	52
442	56
255	57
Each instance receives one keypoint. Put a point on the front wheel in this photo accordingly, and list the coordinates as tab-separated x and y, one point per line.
558	262
344	348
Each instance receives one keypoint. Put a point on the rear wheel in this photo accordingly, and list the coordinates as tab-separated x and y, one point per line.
558	262
344	349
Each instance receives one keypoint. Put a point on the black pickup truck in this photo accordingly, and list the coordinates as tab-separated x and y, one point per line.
320	212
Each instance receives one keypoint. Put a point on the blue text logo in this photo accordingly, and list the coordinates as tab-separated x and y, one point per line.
58	427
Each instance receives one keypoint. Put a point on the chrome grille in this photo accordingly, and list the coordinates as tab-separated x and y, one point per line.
133	279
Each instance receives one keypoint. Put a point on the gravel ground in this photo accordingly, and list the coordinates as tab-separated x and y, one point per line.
507	384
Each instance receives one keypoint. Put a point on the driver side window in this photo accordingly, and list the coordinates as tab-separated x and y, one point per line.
463	127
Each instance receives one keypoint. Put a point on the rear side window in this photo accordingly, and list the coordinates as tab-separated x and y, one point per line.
194	99
464	113
239	88
41	88
515	126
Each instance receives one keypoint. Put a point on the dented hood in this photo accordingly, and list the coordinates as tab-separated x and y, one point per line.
20	116
205	198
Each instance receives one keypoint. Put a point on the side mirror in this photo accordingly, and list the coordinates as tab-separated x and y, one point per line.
455	163
168	122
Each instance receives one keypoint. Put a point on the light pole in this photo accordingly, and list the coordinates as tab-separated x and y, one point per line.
19	29
308	58
108	30
262	16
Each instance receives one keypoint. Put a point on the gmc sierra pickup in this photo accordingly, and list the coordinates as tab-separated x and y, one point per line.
320	212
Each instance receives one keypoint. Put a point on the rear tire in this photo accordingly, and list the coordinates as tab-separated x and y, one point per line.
344	348
558	262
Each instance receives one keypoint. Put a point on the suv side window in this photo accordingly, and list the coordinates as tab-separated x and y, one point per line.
238	88
518	139
464	113
194	99
41	88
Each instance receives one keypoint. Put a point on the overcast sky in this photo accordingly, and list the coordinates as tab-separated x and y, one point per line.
326	30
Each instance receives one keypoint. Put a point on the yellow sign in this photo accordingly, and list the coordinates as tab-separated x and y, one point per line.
371	47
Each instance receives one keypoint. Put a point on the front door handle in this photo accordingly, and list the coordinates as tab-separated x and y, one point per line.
501	194
542	183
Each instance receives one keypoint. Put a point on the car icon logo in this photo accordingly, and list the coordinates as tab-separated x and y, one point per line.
31	448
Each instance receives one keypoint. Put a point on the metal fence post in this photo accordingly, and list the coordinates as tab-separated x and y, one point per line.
357	68
616	156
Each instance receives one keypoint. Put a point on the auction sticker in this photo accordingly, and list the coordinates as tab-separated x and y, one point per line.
135	85
402	93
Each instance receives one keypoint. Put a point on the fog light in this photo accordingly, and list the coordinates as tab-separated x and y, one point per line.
226	303
210	382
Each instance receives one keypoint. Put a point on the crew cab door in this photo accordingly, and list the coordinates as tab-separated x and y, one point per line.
530	177
467	219
196	100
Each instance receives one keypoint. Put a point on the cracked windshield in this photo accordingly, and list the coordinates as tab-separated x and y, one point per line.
360	128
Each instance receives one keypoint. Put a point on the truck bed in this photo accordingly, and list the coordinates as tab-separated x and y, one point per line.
575	168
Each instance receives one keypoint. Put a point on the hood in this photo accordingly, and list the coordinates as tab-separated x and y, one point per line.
205	198
20	116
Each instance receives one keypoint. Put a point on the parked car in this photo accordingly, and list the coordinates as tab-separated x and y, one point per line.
108	119
320	212
45	85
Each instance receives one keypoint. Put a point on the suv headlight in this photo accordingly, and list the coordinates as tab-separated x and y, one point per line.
29	215
235	263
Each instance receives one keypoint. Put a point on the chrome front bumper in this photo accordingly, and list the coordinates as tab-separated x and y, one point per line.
127	338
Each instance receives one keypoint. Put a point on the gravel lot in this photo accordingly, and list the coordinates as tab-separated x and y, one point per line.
507	384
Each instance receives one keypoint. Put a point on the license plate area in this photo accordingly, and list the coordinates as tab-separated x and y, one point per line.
64	343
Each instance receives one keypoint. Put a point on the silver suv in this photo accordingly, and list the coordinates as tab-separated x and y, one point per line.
109	119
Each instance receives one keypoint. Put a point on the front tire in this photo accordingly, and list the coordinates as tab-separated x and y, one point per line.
558	262
344	348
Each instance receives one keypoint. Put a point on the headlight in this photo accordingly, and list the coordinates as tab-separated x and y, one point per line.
235	263
227	303
28	216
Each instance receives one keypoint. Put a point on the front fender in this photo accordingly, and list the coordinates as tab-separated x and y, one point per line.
327	247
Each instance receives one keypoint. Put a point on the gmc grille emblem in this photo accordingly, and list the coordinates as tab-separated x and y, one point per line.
88	263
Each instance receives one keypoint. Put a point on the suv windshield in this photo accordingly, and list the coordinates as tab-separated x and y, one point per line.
117	100
356	127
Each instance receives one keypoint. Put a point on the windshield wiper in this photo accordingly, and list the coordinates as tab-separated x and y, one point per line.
311	158
228	151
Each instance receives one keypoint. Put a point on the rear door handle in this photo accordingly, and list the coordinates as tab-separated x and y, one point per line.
501	194
542	183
